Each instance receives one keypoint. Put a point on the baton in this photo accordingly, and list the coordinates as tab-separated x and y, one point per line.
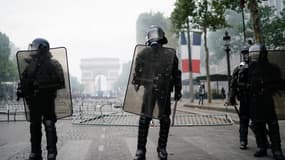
237	110
174	112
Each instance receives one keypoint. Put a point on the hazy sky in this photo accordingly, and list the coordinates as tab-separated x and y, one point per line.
87	28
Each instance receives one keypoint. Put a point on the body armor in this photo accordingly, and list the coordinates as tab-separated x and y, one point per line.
264	81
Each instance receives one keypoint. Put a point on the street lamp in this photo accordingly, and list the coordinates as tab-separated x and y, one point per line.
227	40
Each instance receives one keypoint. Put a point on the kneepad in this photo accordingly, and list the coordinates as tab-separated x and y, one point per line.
49	125
144	120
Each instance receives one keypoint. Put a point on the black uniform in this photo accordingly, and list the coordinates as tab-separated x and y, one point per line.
162	65
239	89
39	84
264	81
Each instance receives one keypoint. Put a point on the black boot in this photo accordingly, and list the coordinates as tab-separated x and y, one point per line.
35	156
278	155
162	153
142	138
274	134
51	156
243	131
254	130
51	139
261	138
243	145
140	154
260	152
163	137
36	138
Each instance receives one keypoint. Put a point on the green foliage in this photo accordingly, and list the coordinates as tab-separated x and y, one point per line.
232	4
273	28
145	20
236	4
210	14
183	9
4	47
8	68
216	43
262	32
206	14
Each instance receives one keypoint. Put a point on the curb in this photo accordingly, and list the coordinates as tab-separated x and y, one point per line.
206	107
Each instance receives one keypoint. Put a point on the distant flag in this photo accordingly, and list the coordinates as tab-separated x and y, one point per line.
195	53
195	50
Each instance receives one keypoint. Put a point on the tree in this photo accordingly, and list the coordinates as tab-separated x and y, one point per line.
263	25
8	69
273	27
145	20
180	20
216	42
208	15
255	15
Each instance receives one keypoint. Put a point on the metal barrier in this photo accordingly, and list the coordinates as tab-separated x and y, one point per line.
14	109
113	115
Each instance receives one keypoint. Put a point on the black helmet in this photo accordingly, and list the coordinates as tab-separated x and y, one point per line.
40	44
155	35
258	52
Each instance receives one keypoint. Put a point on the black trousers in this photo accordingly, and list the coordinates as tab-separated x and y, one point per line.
244	118
42	110
149	100
273	132
143	131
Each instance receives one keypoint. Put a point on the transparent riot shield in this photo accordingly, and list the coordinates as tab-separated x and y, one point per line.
148	90
278	58
44	79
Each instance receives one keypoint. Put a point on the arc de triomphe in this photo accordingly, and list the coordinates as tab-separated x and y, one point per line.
94	68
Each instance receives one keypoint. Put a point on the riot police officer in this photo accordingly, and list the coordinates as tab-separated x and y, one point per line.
158	93
40	81
239	89
264	80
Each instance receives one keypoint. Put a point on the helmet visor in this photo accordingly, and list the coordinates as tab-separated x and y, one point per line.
32	47
154	35
245	57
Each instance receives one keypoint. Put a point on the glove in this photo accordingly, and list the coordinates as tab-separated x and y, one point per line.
177	96
137	87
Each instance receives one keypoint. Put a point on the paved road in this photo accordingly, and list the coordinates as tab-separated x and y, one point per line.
90	142
93	142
